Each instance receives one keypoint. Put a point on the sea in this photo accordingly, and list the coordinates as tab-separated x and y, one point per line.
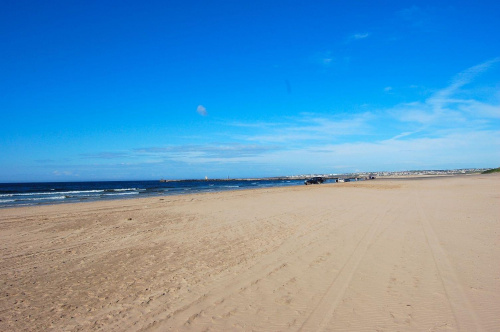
26	194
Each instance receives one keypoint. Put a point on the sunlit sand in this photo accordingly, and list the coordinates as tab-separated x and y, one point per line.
382	255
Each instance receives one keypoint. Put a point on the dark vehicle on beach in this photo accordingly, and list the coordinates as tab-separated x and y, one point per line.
314	180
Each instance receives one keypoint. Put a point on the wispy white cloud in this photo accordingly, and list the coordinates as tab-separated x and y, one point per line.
405	134
479	109
462	79
255	124
445	109
227	150
315	127
325	59
359	36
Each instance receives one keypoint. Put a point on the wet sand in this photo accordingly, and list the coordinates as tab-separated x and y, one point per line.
391	255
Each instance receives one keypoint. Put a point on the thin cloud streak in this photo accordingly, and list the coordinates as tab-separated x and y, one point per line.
315	127
443	97
359	36
444	109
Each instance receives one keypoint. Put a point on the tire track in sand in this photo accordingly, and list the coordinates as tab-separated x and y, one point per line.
323	313
225	287
463	311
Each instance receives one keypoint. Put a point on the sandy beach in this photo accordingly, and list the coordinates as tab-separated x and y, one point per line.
382	255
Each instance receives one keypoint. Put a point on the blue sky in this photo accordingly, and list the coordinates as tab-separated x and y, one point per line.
114	90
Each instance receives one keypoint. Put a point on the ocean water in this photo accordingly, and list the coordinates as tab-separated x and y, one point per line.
25	194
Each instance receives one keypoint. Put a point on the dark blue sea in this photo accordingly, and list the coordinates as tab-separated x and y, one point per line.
24	194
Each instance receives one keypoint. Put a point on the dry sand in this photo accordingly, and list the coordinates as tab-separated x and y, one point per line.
383	255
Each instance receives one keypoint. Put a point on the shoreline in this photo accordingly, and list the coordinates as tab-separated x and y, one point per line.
125	198
389	254
70	192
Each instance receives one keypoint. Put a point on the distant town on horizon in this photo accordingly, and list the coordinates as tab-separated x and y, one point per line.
356	174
